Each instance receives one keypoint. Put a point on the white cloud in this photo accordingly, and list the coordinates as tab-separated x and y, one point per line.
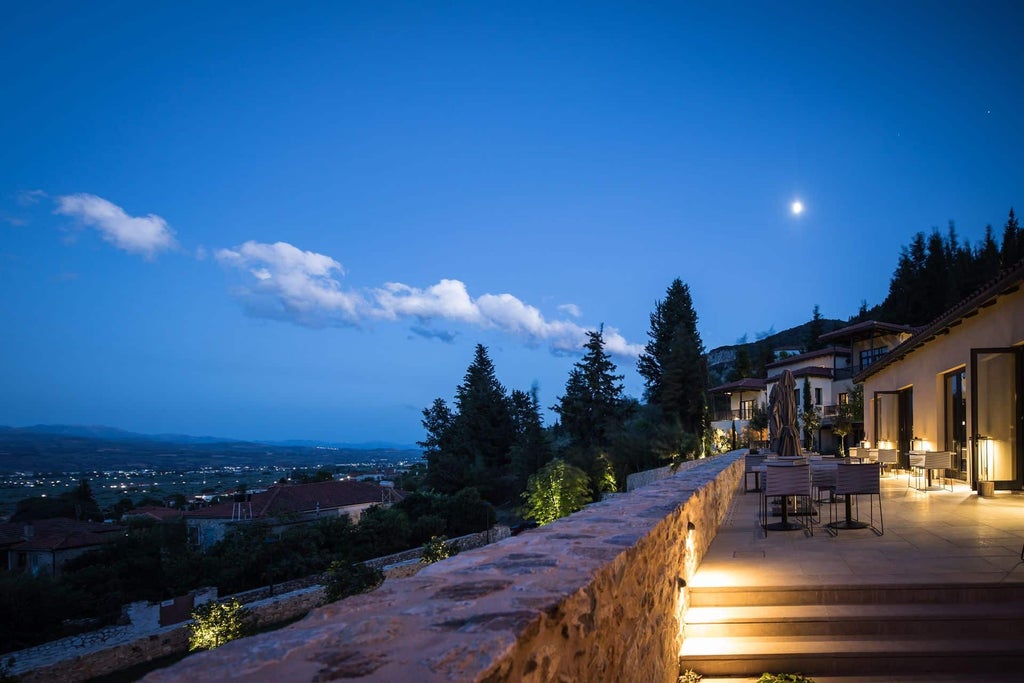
292	284
303	287
137	235
571	309
201	253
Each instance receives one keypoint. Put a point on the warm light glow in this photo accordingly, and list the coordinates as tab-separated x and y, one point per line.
797	207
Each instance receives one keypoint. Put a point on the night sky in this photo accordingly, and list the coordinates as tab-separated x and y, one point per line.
276	220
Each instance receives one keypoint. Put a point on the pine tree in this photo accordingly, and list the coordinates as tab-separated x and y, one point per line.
446	473
742	367
815	329
592	407
471	445
483	426
673	365
531	449
1013	242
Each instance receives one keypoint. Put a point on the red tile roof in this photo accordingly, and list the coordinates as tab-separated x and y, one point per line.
836	350
57	534
303	498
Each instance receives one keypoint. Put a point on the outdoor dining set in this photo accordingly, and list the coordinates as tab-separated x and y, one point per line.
808	480
803	484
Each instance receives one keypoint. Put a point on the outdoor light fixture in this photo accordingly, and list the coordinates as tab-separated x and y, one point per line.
987	462
690	527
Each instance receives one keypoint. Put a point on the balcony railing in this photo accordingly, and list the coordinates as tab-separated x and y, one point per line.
733	415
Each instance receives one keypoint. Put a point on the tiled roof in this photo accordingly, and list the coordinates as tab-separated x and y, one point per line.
745	384
300	498
866	330
57	534
157	512
832	350
1007	282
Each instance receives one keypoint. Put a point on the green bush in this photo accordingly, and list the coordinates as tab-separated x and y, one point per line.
343	579
437	549
216	623
784	678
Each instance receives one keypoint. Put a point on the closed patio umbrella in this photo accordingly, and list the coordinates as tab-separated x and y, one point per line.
774	426
789	433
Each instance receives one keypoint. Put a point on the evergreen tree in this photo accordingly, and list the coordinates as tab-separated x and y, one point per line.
483	426
531	448
445	471
1013	242
673	364
815	329
592	407
471	445
742	367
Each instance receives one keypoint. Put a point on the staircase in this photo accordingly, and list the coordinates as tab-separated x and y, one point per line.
969	632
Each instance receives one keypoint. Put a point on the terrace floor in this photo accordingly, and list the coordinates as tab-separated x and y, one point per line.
935	537
930	537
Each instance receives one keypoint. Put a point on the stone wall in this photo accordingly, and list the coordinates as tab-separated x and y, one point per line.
597	596
641	479
101	652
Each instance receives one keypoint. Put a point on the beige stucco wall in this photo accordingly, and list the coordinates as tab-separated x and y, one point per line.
999	325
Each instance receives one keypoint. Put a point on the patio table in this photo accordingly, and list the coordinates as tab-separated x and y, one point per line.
929	461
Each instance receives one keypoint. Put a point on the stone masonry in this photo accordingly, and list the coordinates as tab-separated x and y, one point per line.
597	596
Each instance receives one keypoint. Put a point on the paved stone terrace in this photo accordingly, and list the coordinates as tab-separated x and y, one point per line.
930	537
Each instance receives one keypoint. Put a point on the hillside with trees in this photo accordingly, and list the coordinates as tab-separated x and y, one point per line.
936	271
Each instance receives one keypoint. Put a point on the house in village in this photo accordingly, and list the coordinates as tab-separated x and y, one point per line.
284	505
826	375
43	546
957	385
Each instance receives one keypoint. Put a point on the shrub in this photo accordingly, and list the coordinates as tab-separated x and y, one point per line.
215	623
437	549
343	579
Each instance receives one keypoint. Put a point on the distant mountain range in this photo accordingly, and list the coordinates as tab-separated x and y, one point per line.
68	448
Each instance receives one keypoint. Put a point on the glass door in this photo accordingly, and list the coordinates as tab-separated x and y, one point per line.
997	413
906	426
955	399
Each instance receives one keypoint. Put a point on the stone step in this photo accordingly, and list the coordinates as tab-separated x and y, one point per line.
858	657
892	678
883	594
900	620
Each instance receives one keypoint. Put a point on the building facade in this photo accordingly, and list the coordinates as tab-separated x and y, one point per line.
957	385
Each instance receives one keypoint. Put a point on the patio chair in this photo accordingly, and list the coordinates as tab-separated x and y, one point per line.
751	465
787	481
823	478
887	457
859	480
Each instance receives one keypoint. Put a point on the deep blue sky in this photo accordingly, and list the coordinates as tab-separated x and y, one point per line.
202	205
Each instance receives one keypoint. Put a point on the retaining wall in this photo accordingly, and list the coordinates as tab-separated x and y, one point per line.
597	596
